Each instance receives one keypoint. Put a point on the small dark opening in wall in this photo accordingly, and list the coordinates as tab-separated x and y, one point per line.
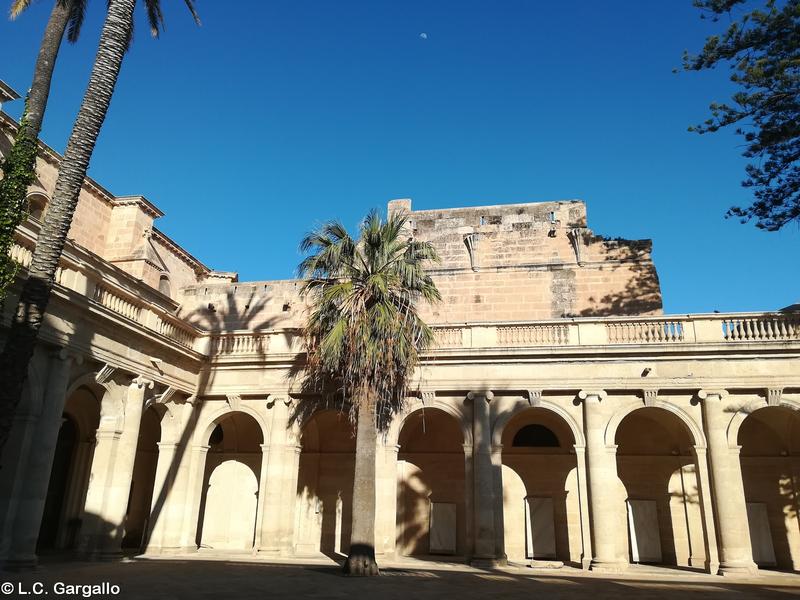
535	436
287	306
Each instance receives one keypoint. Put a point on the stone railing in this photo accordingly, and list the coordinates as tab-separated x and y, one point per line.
561	334
239	344
111	288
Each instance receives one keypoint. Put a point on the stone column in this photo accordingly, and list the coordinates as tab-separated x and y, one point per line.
469	510
483	481
28	520
706	511
169	508
497	485
186	505
583	501
386	491
112	470
262	495
280	489
727	489
603	485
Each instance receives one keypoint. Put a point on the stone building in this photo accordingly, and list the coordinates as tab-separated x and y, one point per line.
560	417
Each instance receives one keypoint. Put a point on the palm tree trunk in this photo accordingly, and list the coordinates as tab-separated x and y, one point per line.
19	167
361	559
43	71
35	295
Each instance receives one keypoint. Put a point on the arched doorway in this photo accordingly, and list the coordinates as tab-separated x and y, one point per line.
69	475
230	484
541	508
325	485
770	458
656	464
144	474
431	511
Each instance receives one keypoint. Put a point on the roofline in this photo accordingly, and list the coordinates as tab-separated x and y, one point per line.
7	93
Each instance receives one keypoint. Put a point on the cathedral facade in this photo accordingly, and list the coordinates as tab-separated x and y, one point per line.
560	417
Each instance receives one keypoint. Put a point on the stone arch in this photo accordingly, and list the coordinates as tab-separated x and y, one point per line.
415	404
695	430
658	467
231	474
740	415
37	201
211	420
326	469
768	446
540	512
431	483
523	405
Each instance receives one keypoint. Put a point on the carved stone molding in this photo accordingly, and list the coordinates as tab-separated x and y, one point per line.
774	396
105	374
428	397
143	382
535	397
234	401
471	242
650	397
596	395
575	236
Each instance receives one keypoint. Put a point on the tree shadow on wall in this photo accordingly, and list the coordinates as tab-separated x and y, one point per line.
217	321
641	294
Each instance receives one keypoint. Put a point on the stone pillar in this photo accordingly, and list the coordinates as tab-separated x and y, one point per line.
469	511
186	505
112	469
280	486
706	511
497	485
169	508
28	519
727	490
262	495
603	485
583	502
386	492
483	481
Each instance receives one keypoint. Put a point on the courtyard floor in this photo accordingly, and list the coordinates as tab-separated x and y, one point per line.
223	578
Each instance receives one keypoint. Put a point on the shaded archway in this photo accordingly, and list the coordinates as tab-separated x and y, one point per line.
657	466
541	507
137	516
325	485
230	484
69	475
770	458
431	507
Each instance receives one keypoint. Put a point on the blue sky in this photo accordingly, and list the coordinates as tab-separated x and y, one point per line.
277	115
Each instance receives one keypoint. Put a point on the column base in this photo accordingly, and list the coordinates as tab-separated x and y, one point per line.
490	562
608	566
586	563
21	563
738	569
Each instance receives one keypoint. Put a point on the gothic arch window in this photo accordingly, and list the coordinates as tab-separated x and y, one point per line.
535	436
163	285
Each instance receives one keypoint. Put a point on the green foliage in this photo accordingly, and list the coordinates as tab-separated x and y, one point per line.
761	46
363	334
19	171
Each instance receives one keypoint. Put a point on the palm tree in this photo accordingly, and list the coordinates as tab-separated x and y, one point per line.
363	337
21	341
19	167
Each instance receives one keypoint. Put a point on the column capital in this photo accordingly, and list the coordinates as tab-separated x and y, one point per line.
140	381
712	394
68	355
592	395
488	394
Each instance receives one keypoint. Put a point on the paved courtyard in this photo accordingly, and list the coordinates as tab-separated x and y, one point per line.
198	578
